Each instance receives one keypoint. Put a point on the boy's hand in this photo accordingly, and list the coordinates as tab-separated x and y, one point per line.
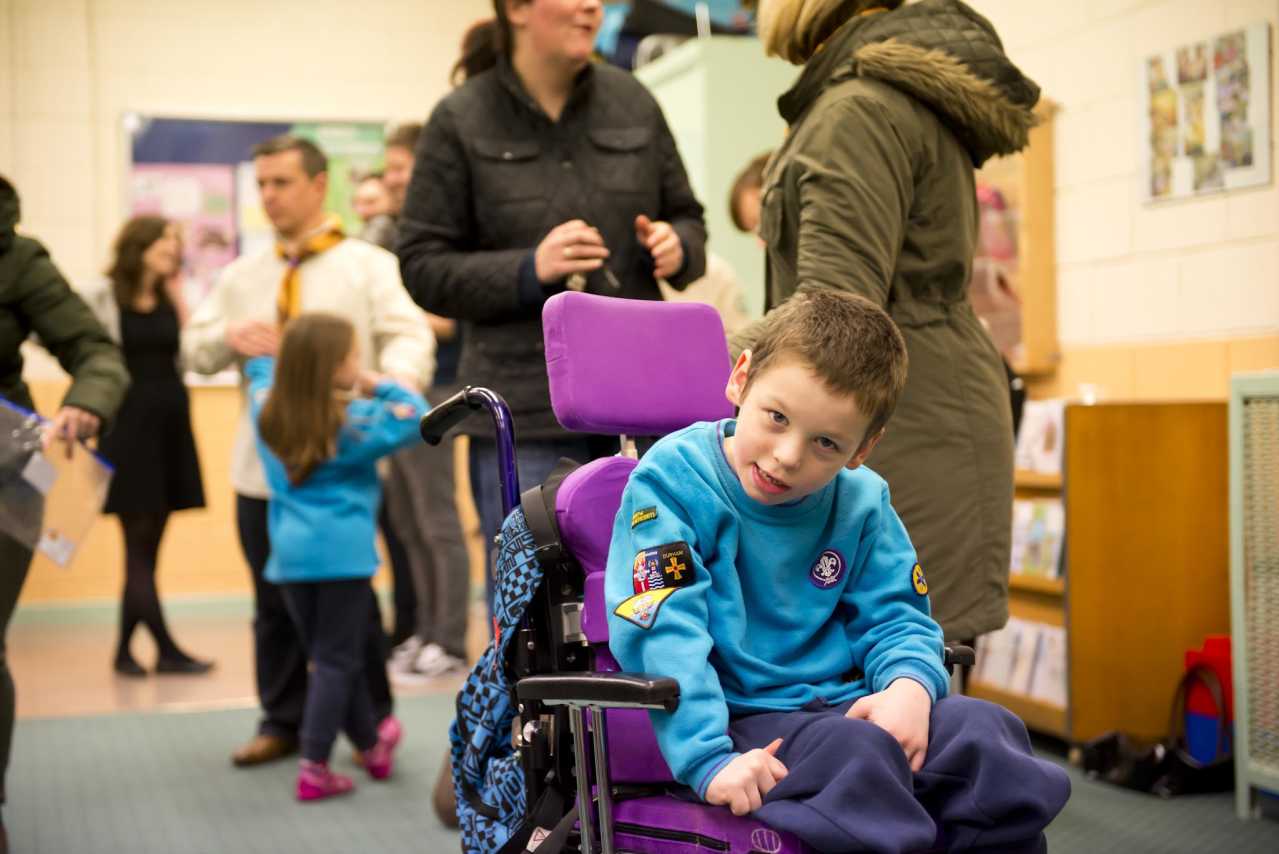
903	709
742	784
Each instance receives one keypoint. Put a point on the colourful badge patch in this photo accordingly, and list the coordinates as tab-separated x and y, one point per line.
827	570
646	572
639	517
641	609
917	579
662	567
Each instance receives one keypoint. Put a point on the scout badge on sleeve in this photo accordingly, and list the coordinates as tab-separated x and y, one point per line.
639	517
917	579
655	574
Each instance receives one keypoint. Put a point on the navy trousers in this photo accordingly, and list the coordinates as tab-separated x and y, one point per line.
331	617
849	787
277	647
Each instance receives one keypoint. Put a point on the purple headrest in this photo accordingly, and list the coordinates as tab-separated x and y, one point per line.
638	367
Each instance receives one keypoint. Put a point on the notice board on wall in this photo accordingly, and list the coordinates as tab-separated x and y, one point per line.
1205	117
199	173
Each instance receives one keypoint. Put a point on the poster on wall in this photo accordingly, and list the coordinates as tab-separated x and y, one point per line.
1206	115
199	173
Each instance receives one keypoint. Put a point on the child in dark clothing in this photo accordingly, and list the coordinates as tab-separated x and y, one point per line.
757	562
320	442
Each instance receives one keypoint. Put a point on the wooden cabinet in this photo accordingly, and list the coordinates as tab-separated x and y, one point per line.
1026	182
1145	566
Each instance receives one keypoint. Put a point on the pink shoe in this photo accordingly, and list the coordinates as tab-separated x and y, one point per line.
316	781
379	758
390	730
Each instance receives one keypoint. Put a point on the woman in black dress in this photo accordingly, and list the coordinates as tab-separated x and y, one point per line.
151	444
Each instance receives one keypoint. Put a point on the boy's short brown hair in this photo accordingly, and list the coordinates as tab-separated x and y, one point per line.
850	343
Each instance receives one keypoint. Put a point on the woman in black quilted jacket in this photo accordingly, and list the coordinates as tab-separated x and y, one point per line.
541	172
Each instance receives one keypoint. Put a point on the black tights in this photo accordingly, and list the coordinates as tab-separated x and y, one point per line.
141	601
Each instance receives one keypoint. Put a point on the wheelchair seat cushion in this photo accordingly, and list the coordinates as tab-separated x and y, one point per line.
585	506
664	824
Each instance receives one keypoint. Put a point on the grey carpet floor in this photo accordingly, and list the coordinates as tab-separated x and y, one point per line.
162	783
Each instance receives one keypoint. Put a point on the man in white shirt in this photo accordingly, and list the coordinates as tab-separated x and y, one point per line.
313	267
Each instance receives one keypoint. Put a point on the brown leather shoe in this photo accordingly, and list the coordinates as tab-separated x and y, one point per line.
263	748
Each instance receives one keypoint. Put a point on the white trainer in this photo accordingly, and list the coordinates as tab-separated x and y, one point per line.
433	662
404	656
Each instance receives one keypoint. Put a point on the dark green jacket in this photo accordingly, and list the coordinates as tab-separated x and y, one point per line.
34	297
872	192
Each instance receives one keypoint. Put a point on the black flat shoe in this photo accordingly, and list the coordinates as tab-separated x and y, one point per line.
129	667
188	666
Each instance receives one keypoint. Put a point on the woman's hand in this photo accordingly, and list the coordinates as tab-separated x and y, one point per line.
70	424
661	241
571	247
903	709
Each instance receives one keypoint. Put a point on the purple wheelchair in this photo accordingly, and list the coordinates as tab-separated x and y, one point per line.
633	369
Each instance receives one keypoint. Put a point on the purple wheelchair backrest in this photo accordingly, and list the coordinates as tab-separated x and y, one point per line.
645	369
638	367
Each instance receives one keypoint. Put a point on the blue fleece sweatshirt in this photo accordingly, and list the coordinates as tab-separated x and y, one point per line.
758	608
323	528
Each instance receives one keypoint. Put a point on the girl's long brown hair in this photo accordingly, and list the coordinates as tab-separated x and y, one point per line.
302	414
126	268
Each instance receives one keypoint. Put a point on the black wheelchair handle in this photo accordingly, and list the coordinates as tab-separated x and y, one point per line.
605	690
446	415
958	655
454	410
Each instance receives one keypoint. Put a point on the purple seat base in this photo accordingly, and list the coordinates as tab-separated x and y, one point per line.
649	825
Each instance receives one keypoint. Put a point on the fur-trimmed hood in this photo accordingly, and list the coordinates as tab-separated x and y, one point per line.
941	53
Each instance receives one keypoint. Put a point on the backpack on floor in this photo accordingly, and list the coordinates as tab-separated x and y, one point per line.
488	780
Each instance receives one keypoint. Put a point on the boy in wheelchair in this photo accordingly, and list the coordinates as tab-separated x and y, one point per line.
759	564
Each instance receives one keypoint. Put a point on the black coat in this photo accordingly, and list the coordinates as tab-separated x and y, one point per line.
493	175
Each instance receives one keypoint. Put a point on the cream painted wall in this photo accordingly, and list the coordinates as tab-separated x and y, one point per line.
1203	268
1129	273
70	68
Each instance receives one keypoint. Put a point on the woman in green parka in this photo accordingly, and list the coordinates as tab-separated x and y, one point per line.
34	298
873	192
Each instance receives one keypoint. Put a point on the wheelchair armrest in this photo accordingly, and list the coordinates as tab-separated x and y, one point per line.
605	690
959	655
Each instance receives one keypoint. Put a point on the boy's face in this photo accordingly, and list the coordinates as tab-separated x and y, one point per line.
793	434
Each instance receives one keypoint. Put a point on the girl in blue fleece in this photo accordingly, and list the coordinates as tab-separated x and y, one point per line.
320	442
755	561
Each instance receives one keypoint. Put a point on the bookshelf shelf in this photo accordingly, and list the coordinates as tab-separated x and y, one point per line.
1023	479
1035	584
1038	715
1143	571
